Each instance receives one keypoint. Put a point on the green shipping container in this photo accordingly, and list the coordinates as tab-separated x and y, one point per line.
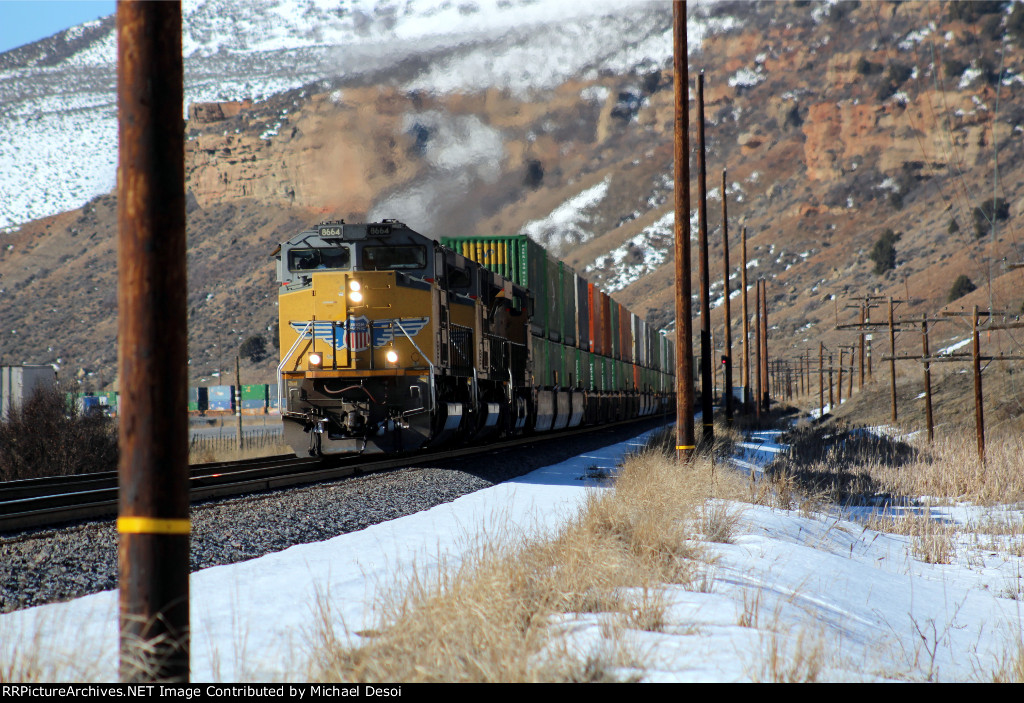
567	284
254	392
522	261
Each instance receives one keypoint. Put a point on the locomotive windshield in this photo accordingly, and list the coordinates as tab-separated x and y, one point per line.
384	258
335	258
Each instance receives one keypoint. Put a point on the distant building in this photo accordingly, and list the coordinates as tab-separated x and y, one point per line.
18	383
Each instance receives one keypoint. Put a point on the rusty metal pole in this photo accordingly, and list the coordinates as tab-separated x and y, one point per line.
153	520
707	414
757	349
979	413
892	361
685	440
728	309
927	378
746	328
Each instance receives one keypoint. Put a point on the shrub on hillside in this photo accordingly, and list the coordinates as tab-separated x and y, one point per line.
884	252
988	212
254	348
46	437
961	287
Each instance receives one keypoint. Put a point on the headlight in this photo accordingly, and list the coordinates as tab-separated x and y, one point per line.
391	356
354	285
315	360
355	296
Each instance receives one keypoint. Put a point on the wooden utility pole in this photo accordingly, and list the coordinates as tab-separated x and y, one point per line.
979	413
860	382
757	347
707	414
831	385
927	379
746	328
839	385
853	358
975	358
892	362
238	405
153	520
821	379
764	340
685	440
728	315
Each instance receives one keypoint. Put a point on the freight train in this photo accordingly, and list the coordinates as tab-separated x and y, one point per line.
391	342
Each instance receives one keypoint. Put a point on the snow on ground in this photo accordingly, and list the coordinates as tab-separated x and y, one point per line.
790	585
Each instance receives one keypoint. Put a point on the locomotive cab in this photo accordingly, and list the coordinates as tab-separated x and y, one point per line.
388	342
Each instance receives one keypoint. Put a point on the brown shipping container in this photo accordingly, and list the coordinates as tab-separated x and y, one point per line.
606	324
625	333
595	309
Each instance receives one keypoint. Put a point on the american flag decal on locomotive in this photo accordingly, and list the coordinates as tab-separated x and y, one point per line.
357	330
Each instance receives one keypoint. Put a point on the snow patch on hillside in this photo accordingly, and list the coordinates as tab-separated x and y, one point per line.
638	256
567	224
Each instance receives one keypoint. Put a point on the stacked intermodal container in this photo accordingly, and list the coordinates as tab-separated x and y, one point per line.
581	336
221	399
254	399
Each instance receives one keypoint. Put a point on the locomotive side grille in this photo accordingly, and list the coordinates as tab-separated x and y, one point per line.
461	346
500	357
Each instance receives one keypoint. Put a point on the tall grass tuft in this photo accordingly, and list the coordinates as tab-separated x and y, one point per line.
497	615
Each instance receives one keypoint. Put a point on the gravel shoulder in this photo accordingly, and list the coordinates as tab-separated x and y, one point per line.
45	566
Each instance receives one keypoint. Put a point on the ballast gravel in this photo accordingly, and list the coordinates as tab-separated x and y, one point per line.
45	566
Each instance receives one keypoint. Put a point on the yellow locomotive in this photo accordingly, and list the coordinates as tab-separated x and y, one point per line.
391	342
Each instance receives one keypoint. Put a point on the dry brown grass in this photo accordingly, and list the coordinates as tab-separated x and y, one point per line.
844	464
495	616
799	662
200	453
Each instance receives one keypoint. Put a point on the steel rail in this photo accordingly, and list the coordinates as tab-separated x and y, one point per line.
95	496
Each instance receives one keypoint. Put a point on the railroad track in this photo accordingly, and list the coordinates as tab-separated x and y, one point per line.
45	502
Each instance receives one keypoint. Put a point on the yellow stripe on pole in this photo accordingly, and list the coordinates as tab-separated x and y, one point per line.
154	526
685	446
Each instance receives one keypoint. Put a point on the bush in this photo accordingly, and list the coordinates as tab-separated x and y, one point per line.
953	226
868	68
988	212
254	348
961	287
899	74
46	437
953	68
884	252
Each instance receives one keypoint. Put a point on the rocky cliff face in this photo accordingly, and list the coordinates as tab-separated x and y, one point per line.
835	123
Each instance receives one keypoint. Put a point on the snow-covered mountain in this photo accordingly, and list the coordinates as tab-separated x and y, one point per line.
58	126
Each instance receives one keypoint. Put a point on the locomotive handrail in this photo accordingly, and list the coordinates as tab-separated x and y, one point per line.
433	399
284	360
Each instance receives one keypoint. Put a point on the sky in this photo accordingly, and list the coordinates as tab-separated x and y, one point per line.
790	585
25	21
